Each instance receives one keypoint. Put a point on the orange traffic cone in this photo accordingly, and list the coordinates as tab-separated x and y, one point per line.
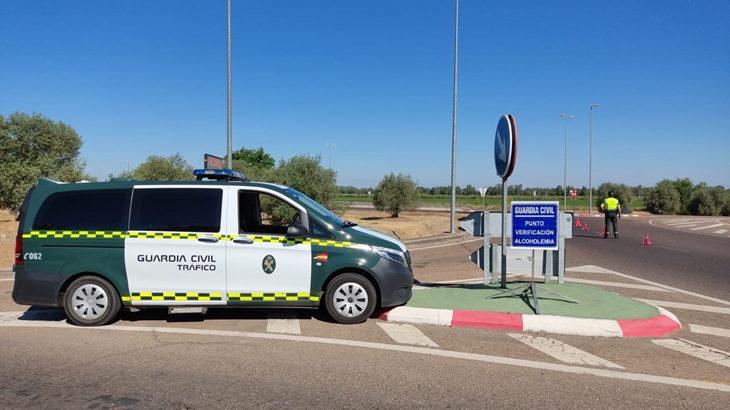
585	227
577	223
603	233
647	241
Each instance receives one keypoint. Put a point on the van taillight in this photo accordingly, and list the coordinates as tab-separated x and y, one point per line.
19	249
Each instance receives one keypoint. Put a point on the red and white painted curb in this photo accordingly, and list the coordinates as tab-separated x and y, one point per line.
659	325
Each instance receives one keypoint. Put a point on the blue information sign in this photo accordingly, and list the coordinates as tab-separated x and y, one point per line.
535	224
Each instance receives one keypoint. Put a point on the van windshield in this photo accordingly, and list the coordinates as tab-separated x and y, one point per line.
323	212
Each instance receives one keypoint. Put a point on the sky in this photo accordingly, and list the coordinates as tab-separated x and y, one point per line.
375	80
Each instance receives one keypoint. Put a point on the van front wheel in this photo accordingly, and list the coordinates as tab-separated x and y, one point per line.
91	301
350	298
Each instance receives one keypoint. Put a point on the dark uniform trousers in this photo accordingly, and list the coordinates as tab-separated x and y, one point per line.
612	218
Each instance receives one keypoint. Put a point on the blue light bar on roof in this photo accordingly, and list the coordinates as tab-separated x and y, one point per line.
220	175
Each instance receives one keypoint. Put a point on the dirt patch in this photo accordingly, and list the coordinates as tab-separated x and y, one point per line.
8	230
408	225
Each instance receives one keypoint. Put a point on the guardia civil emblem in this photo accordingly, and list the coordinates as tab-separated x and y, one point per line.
268	264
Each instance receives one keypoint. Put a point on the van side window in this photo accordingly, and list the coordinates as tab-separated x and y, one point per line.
260	213
97	210
176	209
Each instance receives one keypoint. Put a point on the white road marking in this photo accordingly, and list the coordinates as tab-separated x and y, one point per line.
720	231
406	334
707	227
701	308
673	249
563	352
684	225
597	269
475	357
284	321
688	221
591	269
696	350
446	244
707	330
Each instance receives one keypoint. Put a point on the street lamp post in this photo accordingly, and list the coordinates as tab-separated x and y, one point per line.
329	154
565	164
452	218
590	165
229	137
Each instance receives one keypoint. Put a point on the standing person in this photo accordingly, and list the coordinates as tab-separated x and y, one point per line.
612	208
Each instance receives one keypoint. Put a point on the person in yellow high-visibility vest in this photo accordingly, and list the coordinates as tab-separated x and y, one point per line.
612	209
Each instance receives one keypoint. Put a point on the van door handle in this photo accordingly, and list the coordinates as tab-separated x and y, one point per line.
243	240
208	239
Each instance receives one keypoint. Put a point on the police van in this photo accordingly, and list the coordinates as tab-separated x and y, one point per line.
220	241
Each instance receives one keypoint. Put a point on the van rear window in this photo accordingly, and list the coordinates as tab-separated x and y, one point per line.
176	210
98	210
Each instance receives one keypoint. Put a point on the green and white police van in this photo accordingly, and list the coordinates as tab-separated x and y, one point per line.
220	241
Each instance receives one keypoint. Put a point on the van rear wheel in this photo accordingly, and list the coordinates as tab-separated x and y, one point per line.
350	298
91	301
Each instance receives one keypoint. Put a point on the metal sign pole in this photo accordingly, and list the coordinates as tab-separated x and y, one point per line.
504	234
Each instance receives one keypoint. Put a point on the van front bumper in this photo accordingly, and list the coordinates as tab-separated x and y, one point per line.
395	281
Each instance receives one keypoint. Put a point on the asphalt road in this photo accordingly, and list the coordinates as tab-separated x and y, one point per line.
80	368
245	359
684	258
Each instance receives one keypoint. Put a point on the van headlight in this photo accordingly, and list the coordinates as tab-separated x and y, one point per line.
391	254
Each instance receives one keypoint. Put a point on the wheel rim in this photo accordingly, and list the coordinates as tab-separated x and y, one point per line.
90	301
350	299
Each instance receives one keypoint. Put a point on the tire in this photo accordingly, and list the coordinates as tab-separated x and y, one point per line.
91	301
350	298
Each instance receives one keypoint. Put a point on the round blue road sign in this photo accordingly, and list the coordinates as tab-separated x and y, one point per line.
505	146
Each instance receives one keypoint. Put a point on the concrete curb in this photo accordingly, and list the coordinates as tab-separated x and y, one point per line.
430	240
656	326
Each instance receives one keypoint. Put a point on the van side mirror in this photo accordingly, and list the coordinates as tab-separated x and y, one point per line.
297	230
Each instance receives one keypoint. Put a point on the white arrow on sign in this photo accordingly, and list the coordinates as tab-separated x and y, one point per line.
502	153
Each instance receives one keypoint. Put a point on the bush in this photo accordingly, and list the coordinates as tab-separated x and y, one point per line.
663	199
725	211
707	201
172	168
396	194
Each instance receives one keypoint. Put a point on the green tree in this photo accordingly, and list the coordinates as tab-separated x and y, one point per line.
707	201
469	190
32	147
254	158
663	199
684	188
725	211
172	168
305	174
620	192
396	194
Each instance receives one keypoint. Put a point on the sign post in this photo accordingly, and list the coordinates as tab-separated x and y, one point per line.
535	226
505	154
